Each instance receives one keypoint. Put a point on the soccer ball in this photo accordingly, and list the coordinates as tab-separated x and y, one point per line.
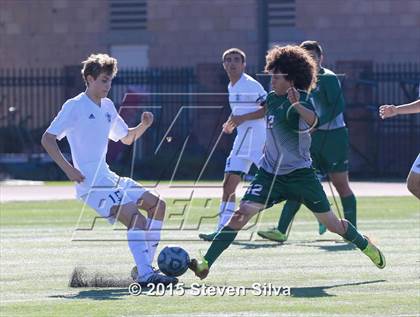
173	261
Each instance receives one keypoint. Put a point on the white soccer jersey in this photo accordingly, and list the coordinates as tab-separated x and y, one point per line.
245	96
88	128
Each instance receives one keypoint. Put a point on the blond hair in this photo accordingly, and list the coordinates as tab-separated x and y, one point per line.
96	64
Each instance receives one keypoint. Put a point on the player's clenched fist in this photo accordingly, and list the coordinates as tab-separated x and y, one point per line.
228	127
387	111
293	95
147	118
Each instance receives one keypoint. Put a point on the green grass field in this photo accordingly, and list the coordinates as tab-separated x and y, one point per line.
40	248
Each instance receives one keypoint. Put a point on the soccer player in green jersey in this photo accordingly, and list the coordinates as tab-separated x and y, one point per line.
285	171
329	148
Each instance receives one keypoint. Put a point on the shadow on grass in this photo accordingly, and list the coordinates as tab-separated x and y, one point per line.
338	246
110	294
98	294
320	291
257	245
121	293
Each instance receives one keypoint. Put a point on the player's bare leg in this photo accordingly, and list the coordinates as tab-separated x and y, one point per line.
227	206
136	223
345	229
413	183
155	208
230	183
341	182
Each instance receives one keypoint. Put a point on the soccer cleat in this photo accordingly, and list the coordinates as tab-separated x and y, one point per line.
273	235
200	270
157	278
321	228
208	237
134	272
374	254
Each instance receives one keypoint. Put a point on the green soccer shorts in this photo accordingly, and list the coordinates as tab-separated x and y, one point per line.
330	150
301	185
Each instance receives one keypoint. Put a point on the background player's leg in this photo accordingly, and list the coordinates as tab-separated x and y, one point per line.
289	211
340	181
280	234
227	206
135	222
155	208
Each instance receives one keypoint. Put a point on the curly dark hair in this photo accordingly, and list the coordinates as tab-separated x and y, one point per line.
295	63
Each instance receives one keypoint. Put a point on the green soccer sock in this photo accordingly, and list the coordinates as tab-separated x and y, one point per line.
220	243
290	209
349	208
355	237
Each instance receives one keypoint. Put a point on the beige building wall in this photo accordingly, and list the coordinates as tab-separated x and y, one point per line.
378	30
187	32
40	33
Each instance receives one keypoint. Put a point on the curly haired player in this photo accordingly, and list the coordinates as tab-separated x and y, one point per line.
286	171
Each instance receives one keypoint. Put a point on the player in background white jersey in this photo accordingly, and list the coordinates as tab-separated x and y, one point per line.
246	95
388	111
88	121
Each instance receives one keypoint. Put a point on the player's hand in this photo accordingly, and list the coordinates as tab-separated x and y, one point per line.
293	95
387	111
75	175
147	119
228	127
236	120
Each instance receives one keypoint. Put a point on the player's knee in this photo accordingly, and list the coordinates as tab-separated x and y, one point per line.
343	188
245	212
414	188
136	221
238	220
159	211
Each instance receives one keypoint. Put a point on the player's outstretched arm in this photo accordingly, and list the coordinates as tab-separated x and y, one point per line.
137	132
389	111
257	114
49	142
235	121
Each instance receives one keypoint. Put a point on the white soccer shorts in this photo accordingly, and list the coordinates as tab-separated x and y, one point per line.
245	152
113	190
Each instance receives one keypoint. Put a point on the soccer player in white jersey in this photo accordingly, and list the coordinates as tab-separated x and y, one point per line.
246	95
88	121
388	111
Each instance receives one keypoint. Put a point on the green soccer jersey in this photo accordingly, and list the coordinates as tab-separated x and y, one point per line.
328	101
288	139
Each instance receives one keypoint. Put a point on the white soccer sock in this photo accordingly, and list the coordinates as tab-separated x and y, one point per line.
138	247
227	208
153	236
